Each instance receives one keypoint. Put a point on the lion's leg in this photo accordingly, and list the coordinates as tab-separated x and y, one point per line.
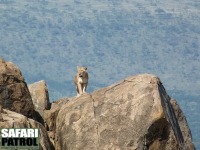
77	91
80	89
84	88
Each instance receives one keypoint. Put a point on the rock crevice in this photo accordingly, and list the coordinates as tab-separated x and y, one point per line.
97	122
169	113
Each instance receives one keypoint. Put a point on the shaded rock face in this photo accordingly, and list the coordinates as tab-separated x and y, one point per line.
187	139
50	117
40	96
14	93
11	119
15	96
129	115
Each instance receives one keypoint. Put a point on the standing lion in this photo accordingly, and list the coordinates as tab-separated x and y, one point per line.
81	80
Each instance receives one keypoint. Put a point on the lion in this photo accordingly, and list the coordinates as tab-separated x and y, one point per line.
81	80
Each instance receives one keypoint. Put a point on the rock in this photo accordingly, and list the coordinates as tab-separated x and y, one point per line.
50	117
40	96
59	103
133	114
187	143
51	135
14	93
15	120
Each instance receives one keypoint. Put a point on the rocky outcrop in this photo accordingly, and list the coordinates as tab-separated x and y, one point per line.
133	114
14	93
40	96
10	119
15	96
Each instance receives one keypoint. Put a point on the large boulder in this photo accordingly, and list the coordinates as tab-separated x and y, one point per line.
14	93
10	119
135	113
40	96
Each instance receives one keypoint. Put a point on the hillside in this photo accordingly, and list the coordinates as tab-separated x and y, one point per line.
115	39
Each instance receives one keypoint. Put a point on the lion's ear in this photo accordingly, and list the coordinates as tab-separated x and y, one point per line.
85	68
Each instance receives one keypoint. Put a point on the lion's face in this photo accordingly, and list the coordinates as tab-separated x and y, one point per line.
82	71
